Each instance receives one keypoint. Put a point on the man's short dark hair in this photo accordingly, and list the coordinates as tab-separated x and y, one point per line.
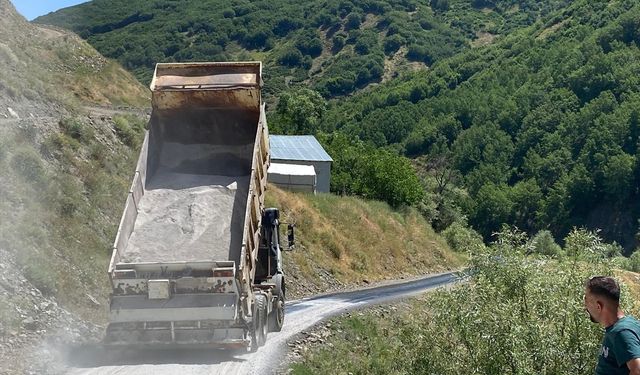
604	286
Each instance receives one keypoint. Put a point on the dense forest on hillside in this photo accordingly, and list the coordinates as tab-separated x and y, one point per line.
528	113
335	46
540	130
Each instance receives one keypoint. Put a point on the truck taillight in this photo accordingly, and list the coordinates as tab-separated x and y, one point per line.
124	274
223	272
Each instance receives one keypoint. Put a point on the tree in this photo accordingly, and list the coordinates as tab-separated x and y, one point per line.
389	177
393	44
353	21
440	5
494	209
544	243
291	57
619	176
309	43
300	112
338	43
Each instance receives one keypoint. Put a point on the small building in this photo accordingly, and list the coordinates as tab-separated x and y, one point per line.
293	177
303	150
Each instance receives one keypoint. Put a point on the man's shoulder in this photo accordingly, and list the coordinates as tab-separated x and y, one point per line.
625	324
625	330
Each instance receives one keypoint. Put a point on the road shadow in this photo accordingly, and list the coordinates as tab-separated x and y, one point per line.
96	355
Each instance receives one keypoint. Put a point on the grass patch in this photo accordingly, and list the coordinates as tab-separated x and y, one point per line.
77	130
37	268
27	163
355	239
129	129
361	343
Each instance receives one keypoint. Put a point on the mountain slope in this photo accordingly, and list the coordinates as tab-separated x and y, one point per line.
335	46
51	65
65	162
541	127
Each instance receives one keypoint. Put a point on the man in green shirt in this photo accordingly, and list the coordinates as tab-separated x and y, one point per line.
620	351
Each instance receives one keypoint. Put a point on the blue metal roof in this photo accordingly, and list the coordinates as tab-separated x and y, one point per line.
297	147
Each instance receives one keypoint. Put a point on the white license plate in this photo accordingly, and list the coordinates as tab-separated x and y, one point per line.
159	289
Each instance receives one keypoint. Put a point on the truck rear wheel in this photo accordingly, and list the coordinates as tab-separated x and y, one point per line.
276	318
259	327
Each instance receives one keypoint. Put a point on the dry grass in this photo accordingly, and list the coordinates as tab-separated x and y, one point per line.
631	281
482	39
544	34
354	240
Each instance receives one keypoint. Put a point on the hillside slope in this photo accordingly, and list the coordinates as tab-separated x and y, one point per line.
540	128
346	241
65	162
50	65
337	47
531	103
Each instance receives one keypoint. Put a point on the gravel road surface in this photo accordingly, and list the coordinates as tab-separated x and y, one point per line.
300	315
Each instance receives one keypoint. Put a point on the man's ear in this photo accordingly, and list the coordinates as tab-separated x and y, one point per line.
600	304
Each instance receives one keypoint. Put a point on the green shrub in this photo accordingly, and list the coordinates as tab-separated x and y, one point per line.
517	315
612	250
291	57
624	263
393	43
586	245
54	144
39	271
129	129
462	238
544	243
353	21
27	163
634	262
338	43
75	129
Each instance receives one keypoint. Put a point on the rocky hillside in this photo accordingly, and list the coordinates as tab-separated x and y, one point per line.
68	119
47	65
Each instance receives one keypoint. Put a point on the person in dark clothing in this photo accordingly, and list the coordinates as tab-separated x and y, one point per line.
620	351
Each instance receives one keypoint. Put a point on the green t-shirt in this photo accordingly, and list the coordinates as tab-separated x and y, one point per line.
621	344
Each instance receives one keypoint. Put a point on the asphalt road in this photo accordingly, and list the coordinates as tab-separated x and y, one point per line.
300	315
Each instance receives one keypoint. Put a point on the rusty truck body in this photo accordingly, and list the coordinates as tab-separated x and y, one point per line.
196	259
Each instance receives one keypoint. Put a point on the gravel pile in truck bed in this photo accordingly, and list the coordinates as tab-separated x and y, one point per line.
188	217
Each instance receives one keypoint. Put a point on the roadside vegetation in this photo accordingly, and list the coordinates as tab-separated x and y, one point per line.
520	312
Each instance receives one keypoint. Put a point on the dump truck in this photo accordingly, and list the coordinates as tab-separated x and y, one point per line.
197	257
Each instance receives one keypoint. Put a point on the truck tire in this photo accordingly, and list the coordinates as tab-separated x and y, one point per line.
276	318
259	327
